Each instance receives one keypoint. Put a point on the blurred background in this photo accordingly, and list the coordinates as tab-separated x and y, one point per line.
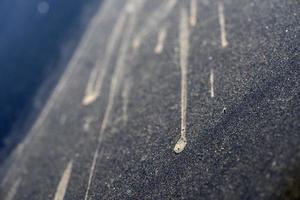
37	38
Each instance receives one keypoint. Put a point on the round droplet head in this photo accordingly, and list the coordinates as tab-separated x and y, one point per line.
43	7
88	99
180	145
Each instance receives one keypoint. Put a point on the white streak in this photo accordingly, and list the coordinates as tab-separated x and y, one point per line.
63	183
193	15
114	87
160	41
184	53
159	15
96	77
118	75
87	124
211	80
92	171
13	190
224	42
125	96
63	119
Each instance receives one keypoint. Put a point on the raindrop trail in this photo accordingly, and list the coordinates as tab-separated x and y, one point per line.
125	96
160	40
87	124
193	11
115	85
63	183
159	15
92	170
224	42
184	54
96	77
13	190
211	80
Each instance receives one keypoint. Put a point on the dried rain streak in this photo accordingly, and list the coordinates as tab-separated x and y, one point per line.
224	42
184	53
64	181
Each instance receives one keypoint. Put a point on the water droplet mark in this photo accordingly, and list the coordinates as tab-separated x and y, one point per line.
184	54
43	7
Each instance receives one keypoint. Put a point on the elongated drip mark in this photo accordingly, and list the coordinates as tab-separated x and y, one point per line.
211	80
63	183
224	42
118	74
92	170
113	90
160	40
125	96
117	77
184	54
159	15
13	190
87	124
193	13
63	119
96	77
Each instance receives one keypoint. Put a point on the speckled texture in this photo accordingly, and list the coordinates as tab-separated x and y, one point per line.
242	144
